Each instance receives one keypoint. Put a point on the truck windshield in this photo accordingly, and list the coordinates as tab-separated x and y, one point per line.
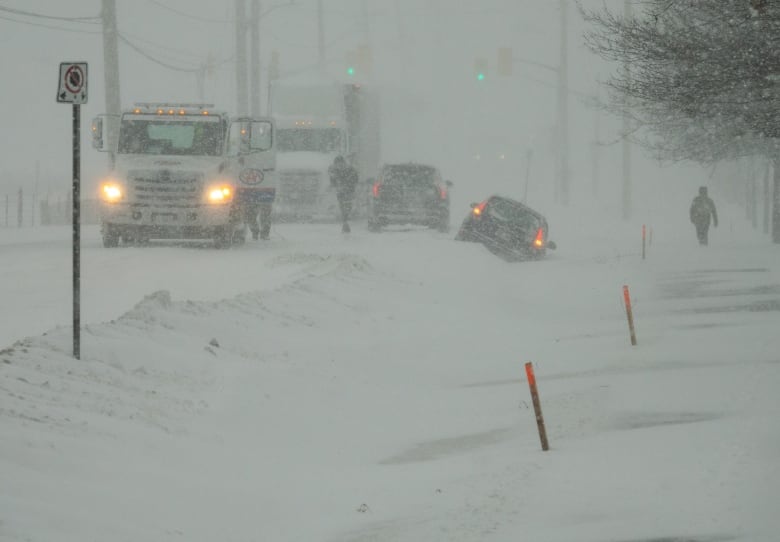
307	101
308	139
180	136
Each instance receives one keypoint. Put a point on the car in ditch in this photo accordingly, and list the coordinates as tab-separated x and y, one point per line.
508	228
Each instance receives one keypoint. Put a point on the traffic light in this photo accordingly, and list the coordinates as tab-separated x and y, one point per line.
359	61
351	59
364	59
480	69
504	66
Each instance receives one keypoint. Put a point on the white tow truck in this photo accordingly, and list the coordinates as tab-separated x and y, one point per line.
181	171
317	119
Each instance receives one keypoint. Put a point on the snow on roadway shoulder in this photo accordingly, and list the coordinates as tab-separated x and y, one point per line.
370	388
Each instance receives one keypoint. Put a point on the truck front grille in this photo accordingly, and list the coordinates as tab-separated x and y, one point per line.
165	188
298	187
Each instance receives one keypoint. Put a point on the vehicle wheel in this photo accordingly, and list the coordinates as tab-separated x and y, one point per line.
110	238
239	236
222	238
444	225
374	225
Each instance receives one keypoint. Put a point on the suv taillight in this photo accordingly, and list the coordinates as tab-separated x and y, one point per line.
375	188
539	240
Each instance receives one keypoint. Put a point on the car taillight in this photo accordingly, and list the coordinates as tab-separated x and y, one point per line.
375	188
442	192
479	208
539	240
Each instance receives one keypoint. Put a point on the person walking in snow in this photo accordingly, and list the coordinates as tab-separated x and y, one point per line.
344	178
702	210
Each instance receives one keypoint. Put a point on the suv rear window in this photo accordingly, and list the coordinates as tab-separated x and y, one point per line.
409	175
517	215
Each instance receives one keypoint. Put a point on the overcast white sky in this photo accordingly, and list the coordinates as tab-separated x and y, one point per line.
434	110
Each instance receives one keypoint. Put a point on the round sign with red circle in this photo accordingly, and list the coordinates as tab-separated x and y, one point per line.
251	176
74	79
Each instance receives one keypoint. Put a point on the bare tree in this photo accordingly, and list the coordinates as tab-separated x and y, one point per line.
704	82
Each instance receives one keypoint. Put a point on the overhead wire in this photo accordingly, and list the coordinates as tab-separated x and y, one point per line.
51	27
148	56
190	15
92	19
123	37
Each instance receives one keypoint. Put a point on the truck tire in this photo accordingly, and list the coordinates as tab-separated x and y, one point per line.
110	237
223	238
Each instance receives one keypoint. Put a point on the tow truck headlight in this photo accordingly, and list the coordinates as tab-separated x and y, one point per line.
221	193
111	191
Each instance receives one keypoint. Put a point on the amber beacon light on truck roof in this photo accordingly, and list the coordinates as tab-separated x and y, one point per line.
148	108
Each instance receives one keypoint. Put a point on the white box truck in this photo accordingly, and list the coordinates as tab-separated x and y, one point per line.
316	120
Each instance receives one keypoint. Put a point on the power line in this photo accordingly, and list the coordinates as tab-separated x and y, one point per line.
165	64
51	27
190	15
169	49
146	55
87	20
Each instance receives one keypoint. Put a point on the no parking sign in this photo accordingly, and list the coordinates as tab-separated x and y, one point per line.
73	83
73	90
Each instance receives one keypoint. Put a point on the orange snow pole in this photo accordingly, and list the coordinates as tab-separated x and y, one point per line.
529	372
627	299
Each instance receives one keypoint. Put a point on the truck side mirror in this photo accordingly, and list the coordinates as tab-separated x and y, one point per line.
97	134
250	136
448	183
261	136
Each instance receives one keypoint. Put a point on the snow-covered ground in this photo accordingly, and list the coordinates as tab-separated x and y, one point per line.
318	387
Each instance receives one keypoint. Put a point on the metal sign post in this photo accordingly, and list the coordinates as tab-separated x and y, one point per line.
73	90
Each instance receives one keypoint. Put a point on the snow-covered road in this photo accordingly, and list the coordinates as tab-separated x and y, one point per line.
318	387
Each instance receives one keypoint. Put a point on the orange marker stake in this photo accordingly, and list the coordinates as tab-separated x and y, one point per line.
630	316
529	372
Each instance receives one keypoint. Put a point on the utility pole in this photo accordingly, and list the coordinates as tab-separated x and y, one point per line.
254	59
563	111
35	192
628	14
596	152
320	36
200	82
242	98
111	75
767	196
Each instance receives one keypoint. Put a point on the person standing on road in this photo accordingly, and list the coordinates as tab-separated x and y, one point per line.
702	209
344	178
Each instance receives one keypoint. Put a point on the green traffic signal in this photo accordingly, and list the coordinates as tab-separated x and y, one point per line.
350	71
480	77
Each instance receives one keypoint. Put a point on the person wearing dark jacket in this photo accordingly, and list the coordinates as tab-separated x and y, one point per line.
344	178
702	209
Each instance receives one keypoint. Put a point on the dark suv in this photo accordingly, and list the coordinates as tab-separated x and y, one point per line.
409	194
